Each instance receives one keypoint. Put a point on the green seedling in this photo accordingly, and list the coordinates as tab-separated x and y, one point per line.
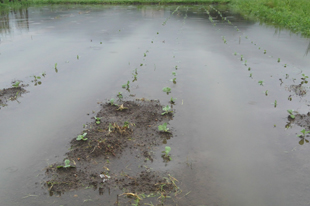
290	98
141	65
265	51
304	77
144	54
303	133
167	89
249	69
166	109
166	152
287	76
176	67
245	61
278	60
43	74
77	57
172	100
258	47
235	53
67	164
126	85
157	32
152	42
16	84
266	92
119	95
110	128
275	103
98	119
55	65
251	75
290	111
174	80
261	82
241	57
112	102
174	73
285	65
82	137
126	124
101	42
163	127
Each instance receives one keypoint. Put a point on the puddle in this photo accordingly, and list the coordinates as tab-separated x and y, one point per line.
230	145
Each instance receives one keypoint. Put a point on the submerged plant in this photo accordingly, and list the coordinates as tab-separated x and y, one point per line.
67	164
166	152
82	137
166	109
163	127
16	84
261	82
167	89
290	111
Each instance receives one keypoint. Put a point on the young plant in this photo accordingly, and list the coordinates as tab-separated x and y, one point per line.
251	75
77	57
266	92
241	57
112	102
174	73
303	133
167	90
98	119
249	69
166	109
16	84
166	152
163	127
82	137
304	77
174	80
285	65
172	100
126	124
126	85
67	164
290	111
265	52
278	60
261	82
275	103
119	95
235	53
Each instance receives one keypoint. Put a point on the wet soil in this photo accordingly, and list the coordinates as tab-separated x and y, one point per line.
131	127
10	94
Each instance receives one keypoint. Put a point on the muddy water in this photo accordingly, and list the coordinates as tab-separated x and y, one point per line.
230	144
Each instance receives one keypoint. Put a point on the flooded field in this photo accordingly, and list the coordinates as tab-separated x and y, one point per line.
241	92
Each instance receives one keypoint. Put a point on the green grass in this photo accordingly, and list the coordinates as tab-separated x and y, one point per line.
290	14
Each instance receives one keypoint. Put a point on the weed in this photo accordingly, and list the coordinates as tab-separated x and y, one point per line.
166	109
82	137
290	111
167	89
67	164
261	82
163	127
16	84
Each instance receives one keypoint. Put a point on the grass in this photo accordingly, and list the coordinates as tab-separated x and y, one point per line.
291	14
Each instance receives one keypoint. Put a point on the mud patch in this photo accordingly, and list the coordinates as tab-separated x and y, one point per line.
10	94
299	90
131	127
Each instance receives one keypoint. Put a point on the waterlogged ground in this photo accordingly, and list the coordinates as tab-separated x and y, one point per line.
231	143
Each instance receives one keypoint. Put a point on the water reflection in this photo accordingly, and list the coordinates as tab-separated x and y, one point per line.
11	21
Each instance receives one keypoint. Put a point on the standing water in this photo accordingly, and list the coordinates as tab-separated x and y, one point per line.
233	143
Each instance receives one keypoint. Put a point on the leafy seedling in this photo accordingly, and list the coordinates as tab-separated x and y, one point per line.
303	133
98	119
82	137
166	153
144	54
174	73
290	111
67	164
163	127
266	92
174	80
126	124
235	53
77	57
261	82
112	102
304	77
278	60
249	69
119	95
251	75
166	109
16	84
167	90
265	52
126	85
241	57
275	103
55	66
285	65
172	100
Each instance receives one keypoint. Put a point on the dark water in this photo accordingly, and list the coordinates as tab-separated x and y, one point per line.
230	145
